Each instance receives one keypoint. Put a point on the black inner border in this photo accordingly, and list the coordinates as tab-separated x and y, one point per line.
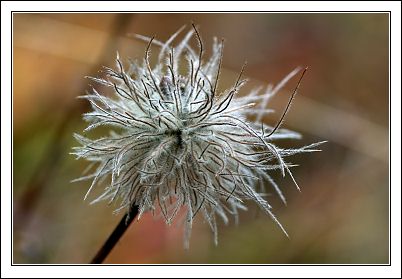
226	12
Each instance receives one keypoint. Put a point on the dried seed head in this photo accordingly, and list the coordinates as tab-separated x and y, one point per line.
176	145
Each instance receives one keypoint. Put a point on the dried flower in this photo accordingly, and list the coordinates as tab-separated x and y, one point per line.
176	142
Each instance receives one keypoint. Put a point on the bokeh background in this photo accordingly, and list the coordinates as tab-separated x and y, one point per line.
340	217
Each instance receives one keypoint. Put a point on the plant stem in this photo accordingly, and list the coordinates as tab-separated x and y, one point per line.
115	236
53	155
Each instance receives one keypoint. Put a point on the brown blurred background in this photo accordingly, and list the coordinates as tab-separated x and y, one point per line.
341	215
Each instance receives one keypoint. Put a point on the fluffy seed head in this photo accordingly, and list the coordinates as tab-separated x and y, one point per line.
176	143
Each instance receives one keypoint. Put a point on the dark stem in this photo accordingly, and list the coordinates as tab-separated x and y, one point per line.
115	236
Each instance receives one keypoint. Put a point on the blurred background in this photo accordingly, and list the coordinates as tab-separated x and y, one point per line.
341	215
